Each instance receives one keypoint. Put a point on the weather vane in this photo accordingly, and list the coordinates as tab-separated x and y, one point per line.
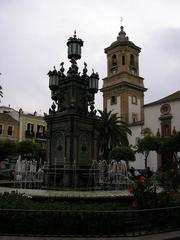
121	21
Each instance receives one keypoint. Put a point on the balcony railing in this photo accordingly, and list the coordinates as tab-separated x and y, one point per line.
89	223
41	135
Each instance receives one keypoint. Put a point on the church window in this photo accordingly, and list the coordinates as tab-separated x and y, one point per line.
134	117
114	60
1	129
113	100
123	60
132	60
10	130
30	127
40	129
134	100
114	70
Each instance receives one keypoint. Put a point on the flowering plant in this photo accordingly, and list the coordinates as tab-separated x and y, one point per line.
144	192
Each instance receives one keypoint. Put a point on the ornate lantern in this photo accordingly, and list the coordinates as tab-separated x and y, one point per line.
93	83
74	47
53	79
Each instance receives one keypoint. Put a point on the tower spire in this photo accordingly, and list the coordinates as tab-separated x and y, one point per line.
74	34
121	21
122	35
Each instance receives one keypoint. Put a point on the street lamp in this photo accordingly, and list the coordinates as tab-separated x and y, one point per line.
93	83
74	47
53	79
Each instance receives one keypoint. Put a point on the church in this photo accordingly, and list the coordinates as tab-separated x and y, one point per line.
123	92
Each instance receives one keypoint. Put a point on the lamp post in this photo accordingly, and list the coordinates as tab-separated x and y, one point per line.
71	121
83	84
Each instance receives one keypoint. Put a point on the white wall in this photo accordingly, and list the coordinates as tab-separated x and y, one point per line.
151	118
139	162
152	114
152	161
175	111
133	139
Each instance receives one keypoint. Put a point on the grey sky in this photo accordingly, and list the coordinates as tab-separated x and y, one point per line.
34	34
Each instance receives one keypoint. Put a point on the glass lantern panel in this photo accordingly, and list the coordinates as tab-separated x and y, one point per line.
96	85
74	48
50	81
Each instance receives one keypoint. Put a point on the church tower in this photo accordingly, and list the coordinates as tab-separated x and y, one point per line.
123	88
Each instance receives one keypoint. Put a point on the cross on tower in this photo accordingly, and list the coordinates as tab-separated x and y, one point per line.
121	21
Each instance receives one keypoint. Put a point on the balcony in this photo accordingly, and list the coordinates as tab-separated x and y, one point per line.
41	136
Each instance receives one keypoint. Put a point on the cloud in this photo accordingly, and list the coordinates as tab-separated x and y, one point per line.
34	35
160	63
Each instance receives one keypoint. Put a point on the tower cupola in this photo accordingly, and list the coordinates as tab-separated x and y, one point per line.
122	35
123	88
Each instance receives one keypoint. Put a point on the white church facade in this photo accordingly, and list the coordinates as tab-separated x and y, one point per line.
123	92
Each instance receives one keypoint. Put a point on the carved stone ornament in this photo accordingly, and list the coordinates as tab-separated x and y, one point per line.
165	109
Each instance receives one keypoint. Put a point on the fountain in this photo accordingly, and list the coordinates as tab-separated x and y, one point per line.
72	154
112	176
27	175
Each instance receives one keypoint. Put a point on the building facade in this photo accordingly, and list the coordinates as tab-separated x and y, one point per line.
22	126
9	127
32	127
123	93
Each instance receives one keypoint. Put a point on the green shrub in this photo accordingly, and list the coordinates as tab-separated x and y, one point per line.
122	153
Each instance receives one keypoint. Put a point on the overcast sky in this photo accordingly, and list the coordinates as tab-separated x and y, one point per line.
33	36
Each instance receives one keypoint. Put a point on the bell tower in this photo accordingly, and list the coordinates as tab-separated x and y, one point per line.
123	88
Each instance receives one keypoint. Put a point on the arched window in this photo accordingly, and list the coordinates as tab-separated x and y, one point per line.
132	60
113	100
30	127
123	60
114	60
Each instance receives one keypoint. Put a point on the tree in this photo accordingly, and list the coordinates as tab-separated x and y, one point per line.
112	132
30	149
27	148
169	174
8	148
147	144
170	144
122	153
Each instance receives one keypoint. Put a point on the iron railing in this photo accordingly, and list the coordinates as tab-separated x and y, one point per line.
89	223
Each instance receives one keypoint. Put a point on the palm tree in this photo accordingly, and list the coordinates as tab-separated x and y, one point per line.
112	132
